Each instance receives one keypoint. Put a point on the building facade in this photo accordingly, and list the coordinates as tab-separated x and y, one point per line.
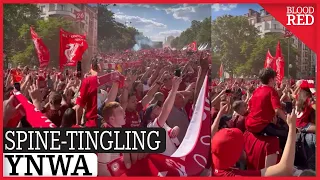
168	40
265	23
88	26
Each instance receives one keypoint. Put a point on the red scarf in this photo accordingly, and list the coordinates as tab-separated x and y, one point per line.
111	77
35	118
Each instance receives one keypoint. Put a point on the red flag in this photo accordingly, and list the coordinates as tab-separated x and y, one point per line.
42	50
288	33
16	75
72	47
279	64
192	156
221	73
269	62
192	46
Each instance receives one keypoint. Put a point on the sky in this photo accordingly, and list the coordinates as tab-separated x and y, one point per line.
232	9
158	21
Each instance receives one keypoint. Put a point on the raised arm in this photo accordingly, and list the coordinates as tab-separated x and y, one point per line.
146	74
36	96
148	97
217	98
286	165
112	95
204	67
125	94
169	102
215	125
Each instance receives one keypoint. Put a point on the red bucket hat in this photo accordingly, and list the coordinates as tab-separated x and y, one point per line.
226	147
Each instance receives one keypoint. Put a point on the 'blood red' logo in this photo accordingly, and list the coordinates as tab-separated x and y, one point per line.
300	16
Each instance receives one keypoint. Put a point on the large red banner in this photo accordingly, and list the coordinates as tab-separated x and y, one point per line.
72	48
42	50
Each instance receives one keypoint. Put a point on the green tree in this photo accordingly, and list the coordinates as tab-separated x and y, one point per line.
48	30
112	34
258	54
215	66
229	36
18	18
204	34
13	17
198	31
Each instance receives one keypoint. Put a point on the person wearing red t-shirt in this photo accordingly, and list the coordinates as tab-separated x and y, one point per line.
69	118
261	151
133	107
227	147
114	117
240	112
167	84
88	96
264	105
305	112
54	110
138	89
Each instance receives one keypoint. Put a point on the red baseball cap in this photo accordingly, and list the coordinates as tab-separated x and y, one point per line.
226	147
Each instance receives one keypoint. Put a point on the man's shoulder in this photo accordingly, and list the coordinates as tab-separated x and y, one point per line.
90	78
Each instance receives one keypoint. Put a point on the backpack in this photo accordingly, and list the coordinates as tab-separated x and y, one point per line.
305	156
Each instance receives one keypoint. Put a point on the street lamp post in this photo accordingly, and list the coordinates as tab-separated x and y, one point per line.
289	67
289	57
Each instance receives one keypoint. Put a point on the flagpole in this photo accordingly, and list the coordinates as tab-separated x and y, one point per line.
311	74
288	58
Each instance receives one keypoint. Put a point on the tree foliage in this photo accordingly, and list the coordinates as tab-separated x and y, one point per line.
258	54
199	32
242	51
19	47
113	35
229	36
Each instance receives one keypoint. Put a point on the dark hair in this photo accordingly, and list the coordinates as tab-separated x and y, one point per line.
69	118
132	93
223	121
236	105
55	98
94	64
135	85
266	74
25	123
147	115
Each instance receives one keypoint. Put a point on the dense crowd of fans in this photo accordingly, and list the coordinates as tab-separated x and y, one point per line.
263	128
57	95
259	127
159	93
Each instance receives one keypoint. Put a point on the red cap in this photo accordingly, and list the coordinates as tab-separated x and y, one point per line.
226	147
308	84
304	85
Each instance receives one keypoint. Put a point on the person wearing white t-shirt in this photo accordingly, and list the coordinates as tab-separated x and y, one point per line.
160	121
